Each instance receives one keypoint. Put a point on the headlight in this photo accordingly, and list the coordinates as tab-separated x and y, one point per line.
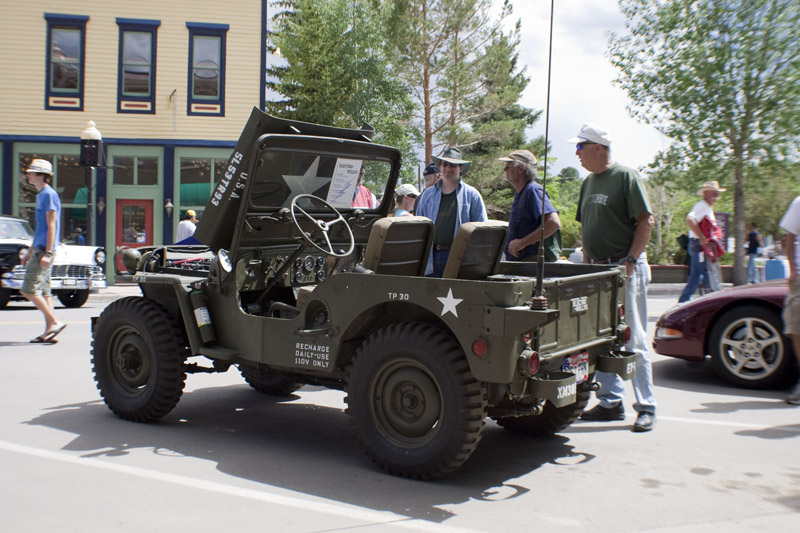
23	252
668	333
100	256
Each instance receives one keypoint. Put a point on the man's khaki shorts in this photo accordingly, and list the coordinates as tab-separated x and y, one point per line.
37	279
791	309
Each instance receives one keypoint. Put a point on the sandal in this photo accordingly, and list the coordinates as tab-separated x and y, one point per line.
44	339
50	335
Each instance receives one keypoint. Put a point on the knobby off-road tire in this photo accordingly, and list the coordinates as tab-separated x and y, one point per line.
748	348
553	419
268	382
138	353
413	403
73	298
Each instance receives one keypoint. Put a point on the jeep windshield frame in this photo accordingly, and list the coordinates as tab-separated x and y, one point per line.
285	166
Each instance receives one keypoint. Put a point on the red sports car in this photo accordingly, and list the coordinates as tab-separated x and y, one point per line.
739	328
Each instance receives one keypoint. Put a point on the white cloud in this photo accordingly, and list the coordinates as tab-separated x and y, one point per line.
581	79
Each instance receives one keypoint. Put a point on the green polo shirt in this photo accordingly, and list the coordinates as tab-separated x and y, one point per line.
607	209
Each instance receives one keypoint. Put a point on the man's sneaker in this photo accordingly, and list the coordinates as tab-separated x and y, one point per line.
604	414
644	422
794	396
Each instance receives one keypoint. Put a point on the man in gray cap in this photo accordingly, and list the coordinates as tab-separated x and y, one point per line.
525	222
431	174
449	203
616	222
39	260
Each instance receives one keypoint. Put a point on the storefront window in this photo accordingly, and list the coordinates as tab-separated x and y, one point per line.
197	180
69	180
135	170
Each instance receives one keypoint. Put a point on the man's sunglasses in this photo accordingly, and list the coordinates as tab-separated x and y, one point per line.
580	146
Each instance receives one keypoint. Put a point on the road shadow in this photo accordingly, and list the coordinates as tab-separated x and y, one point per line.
700	377
302	447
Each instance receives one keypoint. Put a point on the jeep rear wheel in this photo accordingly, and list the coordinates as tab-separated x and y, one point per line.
268	382
73	298
138	354
415	406
553	419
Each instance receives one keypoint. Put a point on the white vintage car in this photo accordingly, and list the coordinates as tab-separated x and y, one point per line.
77	270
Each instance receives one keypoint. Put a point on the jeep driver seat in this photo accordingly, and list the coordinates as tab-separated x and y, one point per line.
476	250
399	246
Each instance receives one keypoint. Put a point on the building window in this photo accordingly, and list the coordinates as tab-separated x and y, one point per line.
206	88
135	170
66	47
197	178
136	82
69	180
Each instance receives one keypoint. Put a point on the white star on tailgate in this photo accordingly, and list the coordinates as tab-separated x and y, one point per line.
449	303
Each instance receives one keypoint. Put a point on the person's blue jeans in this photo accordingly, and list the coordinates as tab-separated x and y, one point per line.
439	261
697	271
752	271
612	387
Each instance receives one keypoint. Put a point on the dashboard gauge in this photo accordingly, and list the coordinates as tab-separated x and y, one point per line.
298	277
298	263
309	264
320	275
321	261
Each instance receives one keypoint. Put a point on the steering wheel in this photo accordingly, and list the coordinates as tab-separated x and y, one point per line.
321	226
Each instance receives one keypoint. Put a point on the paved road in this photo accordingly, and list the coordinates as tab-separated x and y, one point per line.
228	458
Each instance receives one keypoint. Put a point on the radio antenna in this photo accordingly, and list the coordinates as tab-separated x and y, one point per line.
539	300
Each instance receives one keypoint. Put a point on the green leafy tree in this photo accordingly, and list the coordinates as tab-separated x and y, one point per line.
719	78
336	71
461	70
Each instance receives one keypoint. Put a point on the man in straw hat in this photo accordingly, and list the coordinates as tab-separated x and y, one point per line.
525	222
616	222
701	213
449	203
39	260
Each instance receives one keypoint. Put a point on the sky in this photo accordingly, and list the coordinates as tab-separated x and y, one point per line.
581	79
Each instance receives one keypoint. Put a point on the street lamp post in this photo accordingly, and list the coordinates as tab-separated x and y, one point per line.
91	148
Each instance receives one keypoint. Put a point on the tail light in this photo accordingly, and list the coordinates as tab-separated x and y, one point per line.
533	363
623	334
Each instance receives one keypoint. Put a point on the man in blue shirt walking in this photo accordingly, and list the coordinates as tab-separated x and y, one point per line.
39	260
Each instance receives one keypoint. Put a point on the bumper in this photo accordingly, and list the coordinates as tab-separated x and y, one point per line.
85	278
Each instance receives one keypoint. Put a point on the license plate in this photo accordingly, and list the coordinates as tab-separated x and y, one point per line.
577	364
67	282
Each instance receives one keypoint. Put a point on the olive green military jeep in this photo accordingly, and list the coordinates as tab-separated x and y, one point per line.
295	283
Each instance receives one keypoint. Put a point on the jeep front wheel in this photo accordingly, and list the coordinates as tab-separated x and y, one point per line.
552	419
414	405
138	353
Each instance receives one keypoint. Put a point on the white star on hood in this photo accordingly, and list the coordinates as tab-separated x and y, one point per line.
449	303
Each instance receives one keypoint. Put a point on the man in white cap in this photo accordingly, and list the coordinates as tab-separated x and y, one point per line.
187	226
405	198
39	260
449	203
616	222
525	222
699	241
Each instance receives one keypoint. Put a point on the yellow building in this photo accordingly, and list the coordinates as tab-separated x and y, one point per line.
169	85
